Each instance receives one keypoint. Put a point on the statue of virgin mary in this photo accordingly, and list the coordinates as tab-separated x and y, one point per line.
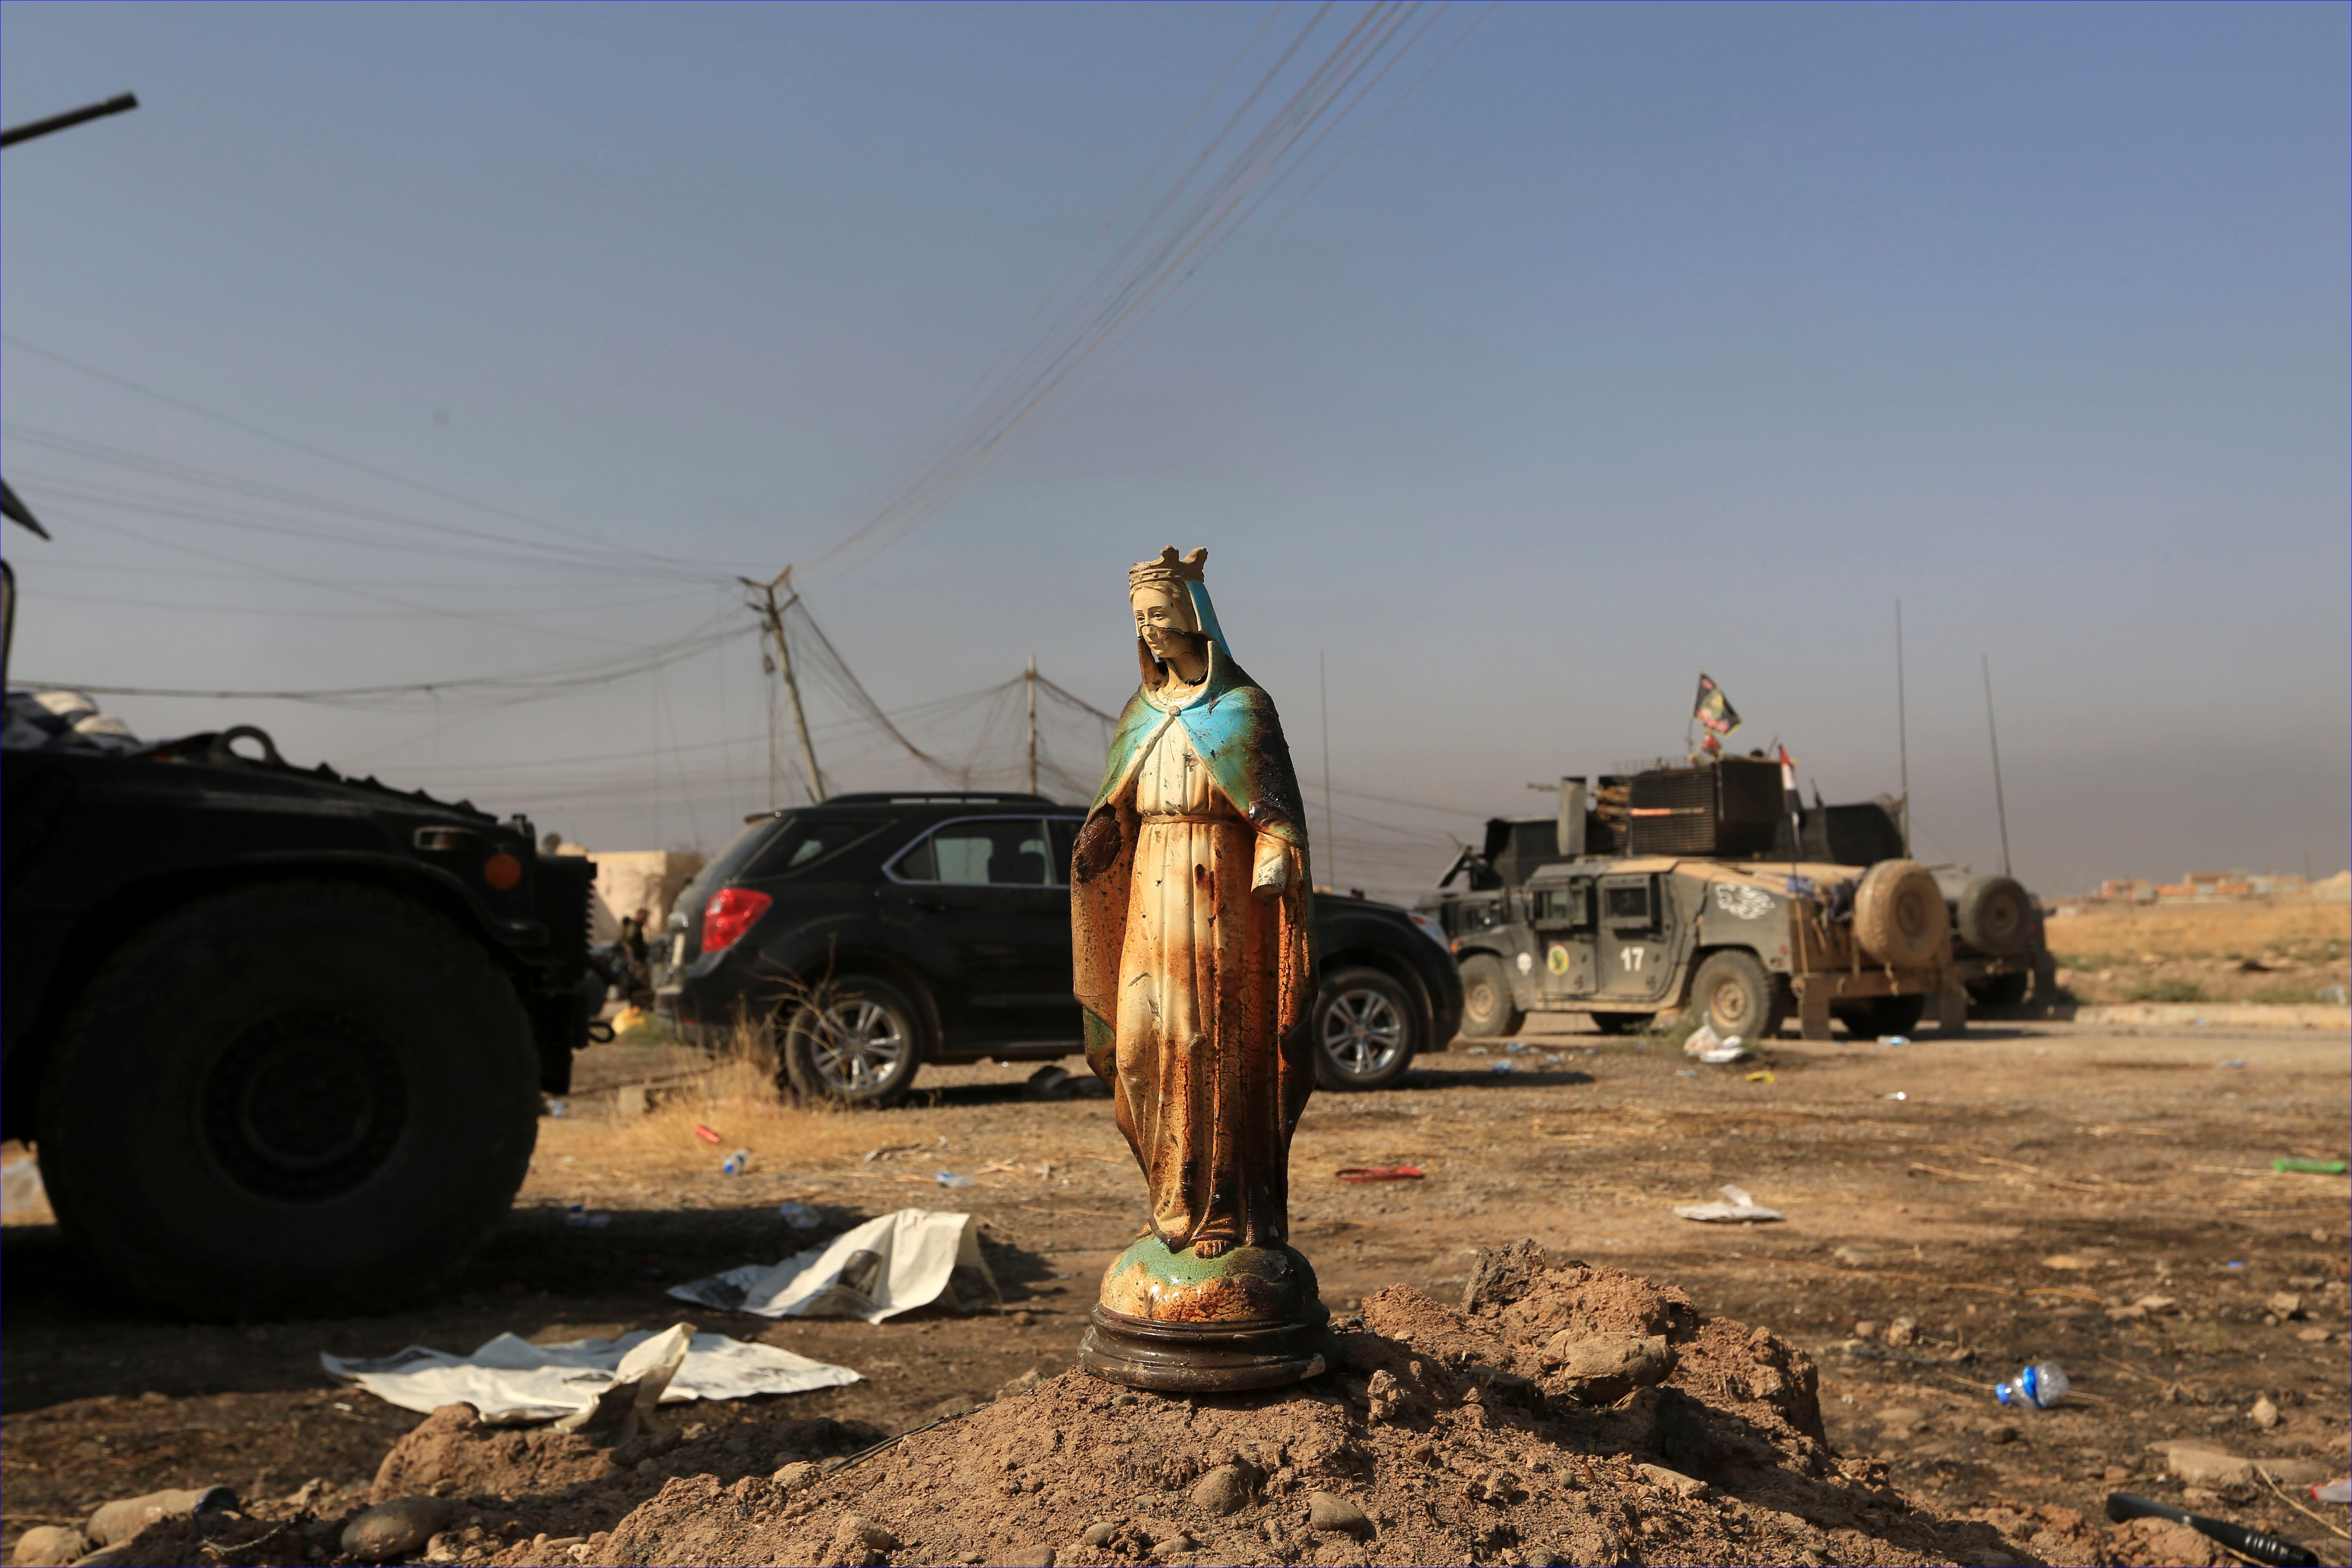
1191	913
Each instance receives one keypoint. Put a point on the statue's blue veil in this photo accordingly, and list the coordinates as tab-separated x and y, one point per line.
1205	614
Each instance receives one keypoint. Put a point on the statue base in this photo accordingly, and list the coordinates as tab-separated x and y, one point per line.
1180	1324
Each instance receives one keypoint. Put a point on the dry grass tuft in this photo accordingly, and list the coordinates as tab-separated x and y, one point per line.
736	1097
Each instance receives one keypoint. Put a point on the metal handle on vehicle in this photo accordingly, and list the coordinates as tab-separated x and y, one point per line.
222	752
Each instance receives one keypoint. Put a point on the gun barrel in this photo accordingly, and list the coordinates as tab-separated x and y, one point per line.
71	117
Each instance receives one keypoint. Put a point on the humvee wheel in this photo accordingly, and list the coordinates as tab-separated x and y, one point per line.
1735	995
299	1097
1487	1010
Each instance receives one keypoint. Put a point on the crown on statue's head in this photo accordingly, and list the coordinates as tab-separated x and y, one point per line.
1169	568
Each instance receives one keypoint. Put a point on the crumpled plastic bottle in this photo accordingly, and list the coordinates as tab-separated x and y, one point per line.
2038	1386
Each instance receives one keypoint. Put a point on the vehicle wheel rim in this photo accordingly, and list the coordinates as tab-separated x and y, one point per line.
858	1043
1480	1003
303	1107
1363	1033
1730	1006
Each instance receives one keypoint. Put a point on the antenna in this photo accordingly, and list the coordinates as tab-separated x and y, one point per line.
1031	681
1999	804
1901	728
1330	834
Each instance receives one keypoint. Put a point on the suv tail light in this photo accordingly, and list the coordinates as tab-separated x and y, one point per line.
728	914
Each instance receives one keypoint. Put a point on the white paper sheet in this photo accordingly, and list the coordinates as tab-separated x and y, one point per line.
895	1264
1740	1208
509	1379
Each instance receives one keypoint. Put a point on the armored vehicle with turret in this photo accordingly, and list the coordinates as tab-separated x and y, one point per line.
1659	891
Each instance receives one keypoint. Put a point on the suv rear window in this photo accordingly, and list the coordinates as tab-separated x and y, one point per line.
1010	852
805	840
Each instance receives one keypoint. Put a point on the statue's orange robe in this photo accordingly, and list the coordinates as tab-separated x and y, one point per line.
1197	991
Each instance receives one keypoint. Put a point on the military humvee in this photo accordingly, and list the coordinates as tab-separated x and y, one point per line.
2000	949
1657	891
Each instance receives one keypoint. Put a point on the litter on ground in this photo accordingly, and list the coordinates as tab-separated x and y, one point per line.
1736	1208
1380	1174
510	1380
905	1260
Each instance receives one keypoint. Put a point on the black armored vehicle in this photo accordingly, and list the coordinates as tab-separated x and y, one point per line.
278	1035
874	932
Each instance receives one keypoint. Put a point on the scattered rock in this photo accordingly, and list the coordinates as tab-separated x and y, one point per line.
1901	1332
2163	1543
1999	1432
50	1546
796	1475
2264	1414
2070	1261
395	1528
1852	1257
1330	1511
1170	1545
1029	1557
1601	1369
2286	1304
126	1517
1099	1533
859	1543
1866	1328
1674	1481
1501	1273
1020	1385
1225	1489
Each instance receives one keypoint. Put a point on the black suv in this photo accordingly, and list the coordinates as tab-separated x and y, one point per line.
874	932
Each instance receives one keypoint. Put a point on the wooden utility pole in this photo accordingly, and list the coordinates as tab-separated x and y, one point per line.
773	613
1033	723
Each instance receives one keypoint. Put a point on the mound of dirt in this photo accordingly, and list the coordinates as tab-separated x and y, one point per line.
1561	1414
1564	1414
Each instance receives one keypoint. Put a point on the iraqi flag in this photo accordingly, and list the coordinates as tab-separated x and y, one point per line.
1714	710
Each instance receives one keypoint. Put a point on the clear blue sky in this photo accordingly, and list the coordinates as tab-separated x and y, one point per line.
1636	340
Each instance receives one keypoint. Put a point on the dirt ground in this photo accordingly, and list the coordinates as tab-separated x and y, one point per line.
2272	954
1954	1209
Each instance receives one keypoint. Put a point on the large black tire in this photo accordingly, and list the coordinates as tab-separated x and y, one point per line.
1883	1015
1619	1023
1996	916
1489	1011
1899	917
302	1096
860	1043
1733	991
1367	1027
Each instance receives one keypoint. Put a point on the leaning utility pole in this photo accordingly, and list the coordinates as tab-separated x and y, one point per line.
1033	723
773	614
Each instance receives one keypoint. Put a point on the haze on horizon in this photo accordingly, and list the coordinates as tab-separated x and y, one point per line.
1633	342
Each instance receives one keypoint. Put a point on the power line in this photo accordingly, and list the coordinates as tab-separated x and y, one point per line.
1159	259
292	444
